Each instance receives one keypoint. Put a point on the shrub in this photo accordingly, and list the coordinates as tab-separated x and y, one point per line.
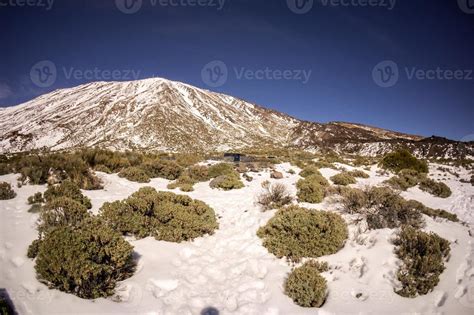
437	189
354	200
343	179
403	159
434	213
405	179
274	196
198	173
297	232
227	182
57	167
311	189
61	211
102	168
359	174
67	189
306	287
220	169
423	256
37	198
135	174
162	169
5	169
164	215
382	208
310	170
6	191
33	249
87	261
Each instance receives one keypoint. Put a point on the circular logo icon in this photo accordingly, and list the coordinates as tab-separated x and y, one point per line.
215	73
467	6
300	6
385	74
43	74
129	6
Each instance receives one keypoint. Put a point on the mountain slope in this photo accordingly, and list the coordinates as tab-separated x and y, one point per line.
171	116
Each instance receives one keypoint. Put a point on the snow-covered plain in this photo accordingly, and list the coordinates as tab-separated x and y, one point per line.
232	273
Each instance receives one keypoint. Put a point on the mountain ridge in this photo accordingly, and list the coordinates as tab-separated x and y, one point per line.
160	114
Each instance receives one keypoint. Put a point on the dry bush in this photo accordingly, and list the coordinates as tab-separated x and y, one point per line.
274	196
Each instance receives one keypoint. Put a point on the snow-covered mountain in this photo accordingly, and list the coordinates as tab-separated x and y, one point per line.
171	116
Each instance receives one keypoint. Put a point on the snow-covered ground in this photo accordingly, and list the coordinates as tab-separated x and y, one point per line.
231	271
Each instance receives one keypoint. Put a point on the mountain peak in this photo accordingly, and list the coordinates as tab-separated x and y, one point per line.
160	114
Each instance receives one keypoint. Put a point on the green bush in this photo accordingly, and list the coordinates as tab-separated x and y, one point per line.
198	173
437	189
227	182
306	287
135	174
296	232
164	215
434	213
359	174
102	168
61	211
423	256
33	249
405	179
220	169
343	179
403	159
86	261
162	169
67	189
311	189
6	191
310	170
54	168
5	169
274	196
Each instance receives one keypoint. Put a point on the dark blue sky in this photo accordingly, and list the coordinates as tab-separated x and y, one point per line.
338	45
